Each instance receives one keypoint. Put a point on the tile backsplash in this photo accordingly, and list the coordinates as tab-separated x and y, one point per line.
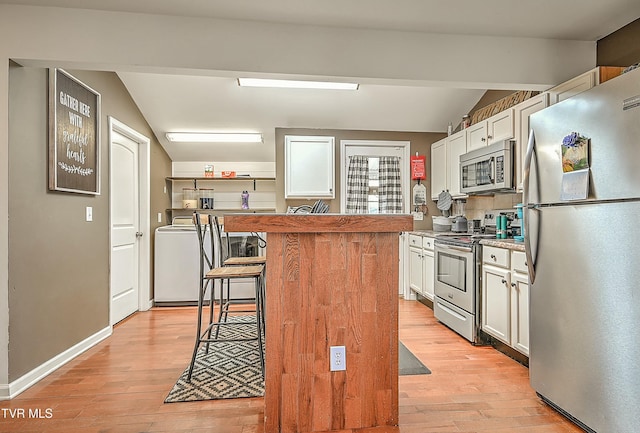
477	205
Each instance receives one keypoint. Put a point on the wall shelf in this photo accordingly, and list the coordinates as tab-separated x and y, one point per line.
226	195
195	180
234	210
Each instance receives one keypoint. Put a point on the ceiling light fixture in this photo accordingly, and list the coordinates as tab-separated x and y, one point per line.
295	84
214	137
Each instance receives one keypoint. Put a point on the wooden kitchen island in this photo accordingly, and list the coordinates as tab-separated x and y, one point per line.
332	280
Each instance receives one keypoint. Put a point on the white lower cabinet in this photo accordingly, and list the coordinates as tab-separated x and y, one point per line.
519	302
428	271
415	269
505	297
496	303
421	262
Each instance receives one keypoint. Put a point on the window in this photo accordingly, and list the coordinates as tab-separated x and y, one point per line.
374	151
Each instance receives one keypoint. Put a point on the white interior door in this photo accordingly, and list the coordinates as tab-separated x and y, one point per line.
125	227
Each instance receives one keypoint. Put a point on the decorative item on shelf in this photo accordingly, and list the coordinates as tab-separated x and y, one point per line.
449	129
228	174
206	198
501	105
208	170
189	198
466	122
245	200
575	152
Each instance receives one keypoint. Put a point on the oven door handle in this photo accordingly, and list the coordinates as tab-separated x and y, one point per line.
454	247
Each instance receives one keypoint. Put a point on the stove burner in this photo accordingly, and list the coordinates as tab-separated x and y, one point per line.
465	239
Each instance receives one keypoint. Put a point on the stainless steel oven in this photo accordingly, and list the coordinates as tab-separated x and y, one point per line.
457	284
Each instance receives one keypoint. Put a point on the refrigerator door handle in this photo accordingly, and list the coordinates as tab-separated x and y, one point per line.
527	207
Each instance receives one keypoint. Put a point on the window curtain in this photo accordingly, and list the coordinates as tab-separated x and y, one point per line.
357	184
390	191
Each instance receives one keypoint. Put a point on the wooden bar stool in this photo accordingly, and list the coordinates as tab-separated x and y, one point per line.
227	260
209	274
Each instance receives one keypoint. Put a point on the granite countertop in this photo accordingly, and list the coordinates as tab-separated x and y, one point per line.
433	233
509	244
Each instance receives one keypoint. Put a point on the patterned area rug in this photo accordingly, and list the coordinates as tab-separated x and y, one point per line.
229	370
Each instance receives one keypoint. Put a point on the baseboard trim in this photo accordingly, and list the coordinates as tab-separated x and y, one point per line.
13	389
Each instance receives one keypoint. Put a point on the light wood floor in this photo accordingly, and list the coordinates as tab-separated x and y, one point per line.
119	386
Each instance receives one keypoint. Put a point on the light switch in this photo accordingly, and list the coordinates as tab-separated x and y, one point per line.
159	217
89	214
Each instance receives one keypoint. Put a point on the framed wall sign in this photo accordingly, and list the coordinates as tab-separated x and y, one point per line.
74	135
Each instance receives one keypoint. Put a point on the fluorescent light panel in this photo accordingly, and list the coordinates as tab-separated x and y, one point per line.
293	84
214	137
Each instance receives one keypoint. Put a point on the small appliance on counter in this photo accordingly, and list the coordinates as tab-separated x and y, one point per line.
459	223
511	229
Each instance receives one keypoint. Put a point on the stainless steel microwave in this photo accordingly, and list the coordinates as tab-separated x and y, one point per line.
487	170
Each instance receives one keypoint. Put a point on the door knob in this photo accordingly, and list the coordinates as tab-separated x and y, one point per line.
138	234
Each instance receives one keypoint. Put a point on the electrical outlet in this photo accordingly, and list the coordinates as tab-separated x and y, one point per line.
338	358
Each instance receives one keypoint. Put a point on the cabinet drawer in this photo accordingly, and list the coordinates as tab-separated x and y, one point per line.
495	256
427	243
519	262
415	241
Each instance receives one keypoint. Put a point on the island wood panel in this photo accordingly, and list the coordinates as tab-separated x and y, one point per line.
332	280
318	223
338	289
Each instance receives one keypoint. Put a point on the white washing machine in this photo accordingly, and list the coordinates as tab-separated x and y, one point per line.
177	265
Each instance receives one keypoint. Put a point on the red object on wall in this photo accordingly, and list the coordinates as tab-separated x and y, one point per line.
418	170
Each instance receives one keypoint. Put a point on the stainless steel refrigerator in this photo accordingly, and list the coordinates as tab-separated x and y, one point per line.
584	257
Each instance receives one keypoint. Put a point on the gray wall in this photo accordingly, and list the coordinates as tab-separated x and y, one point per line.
58	263
420	142
620	48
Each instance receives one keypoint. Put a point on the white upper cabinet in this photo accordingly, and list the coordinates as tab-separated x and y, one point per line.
477	135
309	163
456	146
445	164
438	168
582	82
497	127
574	86
522	112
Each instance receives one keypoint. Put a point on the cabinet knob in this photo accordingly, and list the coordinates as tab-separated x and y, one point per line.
504	281
513	284
493	256
489	137
483	139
